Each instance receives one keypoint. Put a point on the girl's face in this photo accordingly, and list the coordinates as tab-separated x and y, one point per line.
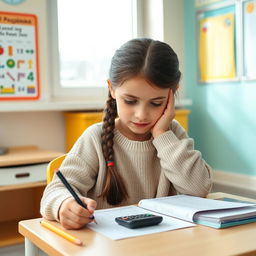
139	106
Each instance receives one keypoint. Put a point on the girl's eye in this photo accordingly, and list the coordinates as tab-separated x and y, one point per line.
130	102
156	104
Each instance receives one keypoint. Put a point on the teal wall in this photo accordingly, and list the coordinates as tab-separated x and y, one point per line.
223	117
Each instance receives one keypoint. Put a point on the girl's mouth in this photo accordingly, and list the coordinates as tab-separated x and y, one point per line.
140	124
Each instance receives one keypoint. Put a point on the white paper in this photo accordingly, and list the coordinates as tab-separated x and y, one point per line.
108	227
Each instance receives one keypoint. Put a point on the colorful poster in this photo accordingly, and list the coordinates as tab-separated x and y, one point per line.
19	67
216	46
249	18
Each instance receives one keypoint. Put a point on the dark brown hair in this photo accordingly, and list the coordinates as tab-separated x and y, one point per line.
158	64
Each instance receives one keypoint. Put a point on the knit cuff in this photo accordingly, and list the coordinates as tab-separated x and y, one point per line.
57	203
167	138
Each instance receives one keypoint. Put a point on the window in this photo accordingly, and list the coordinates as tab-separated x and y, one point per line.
85	39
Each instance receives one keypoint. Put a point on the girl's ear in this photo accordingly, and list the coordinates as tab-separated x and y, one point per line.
111	90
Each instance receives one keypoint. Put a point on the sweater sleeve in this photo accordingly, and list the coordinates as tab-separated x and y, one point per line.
79	168
183	166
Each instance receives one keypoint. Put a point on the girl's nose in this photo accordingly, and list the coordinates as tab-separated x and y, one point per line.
141	113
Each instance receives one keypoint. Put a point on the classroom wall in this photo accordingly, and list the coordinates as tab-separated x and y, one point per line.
173	25
46	128
223	122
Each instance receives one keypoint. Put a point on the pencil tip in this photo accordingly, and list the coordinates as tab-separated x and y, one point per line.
93	218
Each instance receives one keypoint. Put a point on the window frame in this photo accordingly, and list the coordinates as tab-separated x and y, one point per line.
91	94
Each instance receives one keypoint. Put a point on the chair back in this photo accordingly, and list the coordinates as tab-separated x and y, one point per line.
53	166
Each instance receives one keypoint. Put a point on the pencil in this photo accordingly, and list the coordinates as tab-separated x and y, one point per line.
73	193
61	233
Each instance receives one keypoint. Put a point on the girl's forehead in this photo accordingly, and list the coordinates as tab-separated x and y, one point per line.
139	85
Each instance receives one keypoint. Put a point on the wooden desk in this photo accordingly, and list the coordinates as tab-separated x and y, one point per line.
194	241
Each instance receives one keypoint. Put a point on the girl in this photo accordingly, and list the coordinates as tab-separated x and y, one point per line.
138	151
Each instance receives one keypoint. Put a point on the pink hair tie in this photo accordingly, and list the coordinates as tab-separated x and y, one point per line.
110	163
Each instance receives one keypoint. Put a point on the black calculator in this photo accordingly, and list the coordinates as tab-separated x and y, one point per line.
139	220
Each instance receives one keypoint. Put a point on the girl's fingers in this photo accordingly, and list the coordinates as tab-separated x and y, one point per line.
71	224
91	204
72	215
170	108
79	210
71	220
170	104
82	215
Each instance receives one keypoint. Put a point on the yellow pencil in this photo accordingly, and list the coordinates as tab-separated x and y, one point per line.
61	232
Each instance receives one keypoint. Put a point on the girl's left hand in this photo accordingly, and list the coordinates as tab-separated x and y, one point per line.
163	123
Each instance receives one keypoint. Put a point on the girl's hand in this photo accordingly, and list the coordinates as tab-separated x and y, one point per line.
163	123
74	216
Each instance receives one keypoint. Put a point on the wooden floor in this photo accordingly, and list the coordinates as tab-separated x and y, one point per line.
16	250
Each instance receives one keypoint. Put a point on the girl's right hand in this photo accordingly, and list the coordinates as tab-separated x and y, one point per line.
163	123
74	216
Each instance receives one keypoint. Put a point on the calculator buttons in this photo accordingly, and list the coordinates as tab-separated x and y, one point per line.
139	220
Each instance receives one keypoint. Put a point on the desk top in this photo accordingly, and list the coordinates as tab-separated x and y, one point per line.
27	155
198	240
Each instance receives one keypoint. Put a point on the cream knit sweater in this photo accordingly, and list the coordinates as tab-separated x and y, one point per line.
166	165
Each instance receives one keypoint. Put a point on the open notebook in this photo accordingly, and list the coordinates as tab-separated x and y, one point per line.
178	212
209	212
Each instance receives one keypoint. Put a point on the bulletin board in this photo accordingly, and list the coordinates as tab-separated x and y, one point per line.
226	40
216	44
19	62
249	35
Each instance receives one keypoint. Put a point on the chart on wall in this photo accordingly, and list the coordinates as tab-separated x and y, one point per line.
216	47
19	67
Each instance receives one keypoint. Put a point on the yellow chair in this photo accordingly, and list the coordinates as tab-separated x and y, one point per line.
52	166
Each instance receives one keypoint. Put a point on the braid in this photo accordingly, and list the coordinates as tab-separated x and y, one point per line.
114	189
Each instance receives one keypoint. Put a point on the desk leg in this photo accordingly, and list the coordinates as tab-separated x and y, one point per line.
30	248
